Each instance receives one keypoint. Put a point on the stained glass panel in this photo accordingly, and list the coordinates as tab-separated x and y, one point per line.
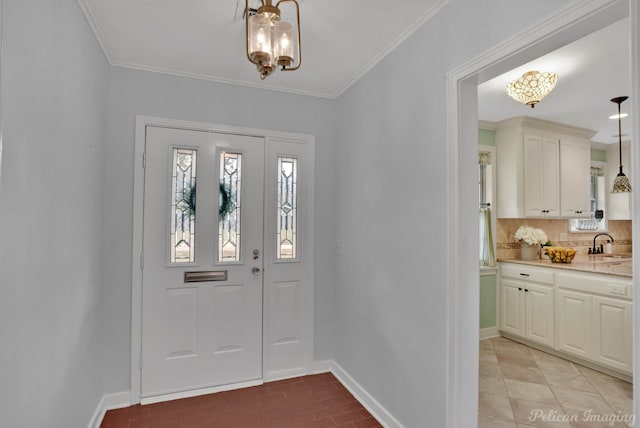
183	206
229	207
286	231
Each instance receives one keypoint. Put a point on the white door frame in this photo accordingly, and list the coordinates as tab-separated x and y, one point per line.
138	217
569	23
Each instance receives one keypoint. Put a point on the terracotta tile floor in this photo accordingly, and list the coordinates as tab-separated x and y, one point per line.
316	401
516	380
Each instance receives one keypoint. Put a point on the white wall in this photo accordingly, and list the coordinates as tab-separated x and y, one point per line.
54	111
390	312
141	93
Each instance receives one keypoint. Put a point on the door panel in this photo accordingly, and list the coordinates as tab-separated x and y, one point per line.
201	334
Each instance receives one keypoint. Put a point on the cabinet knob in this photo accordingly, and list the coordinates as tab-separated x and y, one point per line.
519	288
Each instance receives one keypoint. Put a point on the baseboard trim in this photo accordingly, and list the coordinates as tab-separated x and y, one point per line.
489	332
116	400
381	414
285	374
323	366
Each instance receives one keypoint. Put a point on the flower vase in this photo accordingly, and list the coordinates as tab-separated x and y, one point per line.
528	251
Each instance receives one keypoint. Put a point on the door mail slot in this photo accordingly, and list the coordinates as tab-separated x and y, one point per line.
205	276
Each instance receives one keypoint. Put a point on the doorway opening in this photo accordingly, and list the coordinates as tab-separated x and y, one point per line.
570	24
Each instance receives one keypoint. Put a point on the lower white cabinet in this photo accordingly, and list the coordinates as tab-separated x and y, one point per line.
527	306
538	313
573	317
612	332
582	314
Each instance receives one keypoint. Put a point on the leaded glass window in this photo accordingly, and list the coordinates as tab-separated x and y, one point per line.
287	215
183	206
229	207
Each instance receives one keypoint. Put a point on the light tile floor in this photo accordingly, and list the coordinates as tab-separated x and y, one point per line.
522	387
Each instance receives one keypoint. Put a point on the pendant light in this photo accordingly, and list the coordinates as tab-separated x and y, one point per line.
532	87
270	42
621	183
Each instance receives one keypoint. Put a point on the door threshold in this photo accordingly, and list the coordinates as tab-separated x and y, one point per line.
200	391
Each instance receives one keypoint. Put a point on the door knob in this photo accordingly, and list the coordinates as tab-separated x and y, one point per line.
255	270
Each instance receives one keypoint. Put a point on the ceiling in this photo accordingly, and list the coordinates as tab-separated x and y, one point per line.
205	39
591	71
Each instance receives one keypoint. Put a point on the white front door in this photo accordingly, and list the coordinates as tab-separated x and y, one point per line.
202	287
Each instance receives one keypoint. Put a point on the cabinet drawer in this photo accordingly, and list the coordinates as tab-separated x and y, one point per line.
527	273
595	284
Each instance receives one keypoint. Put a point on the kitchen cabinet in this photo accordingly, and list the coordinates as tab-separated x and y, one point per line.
541	176
527	303
573	314
612	332
542	169
575	178
586	315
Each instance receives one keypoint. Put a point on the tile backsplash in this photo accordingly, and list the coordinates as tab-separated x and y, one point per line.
558	232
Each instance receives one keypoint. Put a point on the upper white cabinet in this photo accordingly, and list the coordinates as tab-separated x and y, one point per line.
543	169
541	176
575	166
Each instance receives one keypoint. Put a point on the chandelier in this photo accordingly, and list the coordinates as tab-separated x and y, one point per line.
621	183
271	43
532	87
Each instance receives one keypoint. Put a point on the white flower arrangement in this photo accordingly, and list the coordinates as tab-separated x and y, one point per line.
531	236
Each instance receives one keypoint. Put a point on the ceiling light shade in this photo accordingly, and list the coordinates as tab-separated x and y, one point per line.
621	183
532	87
272	43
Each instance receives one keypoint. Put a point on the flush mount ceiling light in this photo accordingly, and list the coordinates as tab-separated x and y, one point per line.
270	41
532	87
621	183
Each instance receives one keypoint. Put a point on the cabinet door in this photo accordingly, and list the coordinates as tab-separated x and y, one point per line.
612	332
573	320
551	176
512	307
538	309
541	176
533	162
575	166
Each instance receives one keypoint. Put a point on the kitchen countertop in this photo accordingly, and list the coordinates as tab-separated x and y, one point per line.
608	264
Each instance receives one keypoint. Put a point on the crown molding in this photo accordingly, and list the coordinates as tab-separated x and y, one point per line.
93	23
390	47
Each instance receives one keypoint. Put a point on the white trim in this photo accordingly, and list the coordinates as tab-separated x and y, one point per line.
434	10
634	14
222	80
199	391
376	409
488	271
117	400
137	246
323	366
286	374
93	23
567	24
489	332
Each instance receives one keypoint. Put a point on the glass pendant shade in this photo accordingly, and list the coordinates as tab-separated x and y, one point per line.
621	184
259	39
283	46
532	87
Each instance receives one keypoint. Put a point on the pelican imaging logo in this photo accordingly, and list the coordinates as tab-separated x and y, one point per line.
552	416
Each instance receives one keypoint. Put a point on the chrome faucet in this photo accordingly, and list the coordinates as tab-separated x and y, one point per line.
598	250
